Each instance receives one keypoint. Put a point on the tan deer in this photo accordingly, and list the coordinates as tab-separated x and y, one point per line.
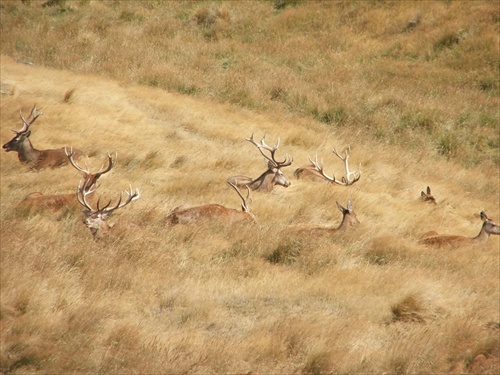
27	154
272	176
428	197
315	171
95	219
349	219
38	202
434	239
211	212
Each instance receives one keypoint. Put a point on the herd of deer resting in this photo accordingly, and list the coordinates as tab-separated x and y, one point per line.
95	218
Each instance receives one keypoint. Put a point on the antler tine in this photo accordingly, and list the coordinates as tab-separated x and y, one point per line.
347	179
81	193
262	145
244	205
69	154
111	164
132	196
31	118
102	209
319	168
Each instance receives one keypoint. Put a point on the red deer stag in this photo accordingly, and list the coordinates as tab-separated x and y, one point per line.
434	239
273	176
95	219
349	219
428	197
27	154
315	171
211	212
38	202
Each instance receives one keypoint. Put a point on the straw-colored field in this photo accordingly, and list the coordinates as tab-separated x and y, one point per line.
261	298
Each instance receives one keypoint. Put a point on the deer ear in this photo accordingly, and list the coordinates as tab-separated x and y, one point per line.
484	217
422	194
28	133
349	206
428	190
342	209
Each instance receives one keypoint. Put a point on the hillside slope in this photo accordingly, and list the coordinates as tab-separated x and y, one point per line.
234	299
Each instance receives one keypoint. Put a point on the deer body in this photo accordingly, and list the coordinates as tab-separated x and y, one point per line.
207	213
438	240
308	172
35	202
211	212
38	202
27	154
349	219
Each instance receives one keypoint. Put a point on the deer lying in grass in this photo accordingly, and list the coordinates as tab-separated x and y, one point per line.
434	239
27	154
95	219
315	171
428	197
272	176
211	212
38	202
349	219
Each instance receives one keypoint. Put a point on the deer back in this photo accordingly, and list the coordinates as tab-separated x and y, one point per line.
37	202
207	214
308	172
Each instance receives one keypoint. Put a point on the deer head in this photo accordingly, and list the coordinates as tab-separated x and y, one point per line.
22	135
95	219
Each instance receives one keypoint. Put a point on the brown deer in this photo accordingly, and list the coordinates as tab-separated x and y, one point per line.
434	239
95	219
27	154
428	197
38	202
272	176
349	219
315	171
210	212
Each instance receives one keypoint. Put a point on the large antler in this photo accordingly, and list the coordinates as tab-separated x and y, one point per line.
345	181
244	205
262	145
84	190
90	178
111	163
31	119
132	196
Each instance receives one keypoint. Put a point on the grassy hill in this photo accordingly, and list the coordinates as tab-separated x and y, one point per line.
175	88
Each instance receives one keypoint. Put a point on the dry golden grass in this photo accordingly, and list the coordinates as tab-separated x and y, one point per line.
217	299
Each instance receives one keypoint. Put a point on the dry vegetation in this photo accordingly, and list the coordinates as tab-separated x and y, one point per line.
174	88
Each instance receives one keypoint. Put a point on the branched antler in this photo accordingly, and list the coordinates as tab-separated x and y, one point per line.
349	179
272	160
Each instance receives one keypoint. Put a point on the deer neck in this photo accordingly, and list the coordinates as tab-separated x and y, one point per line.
344	224
483	234
264	182
27	153
100	232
